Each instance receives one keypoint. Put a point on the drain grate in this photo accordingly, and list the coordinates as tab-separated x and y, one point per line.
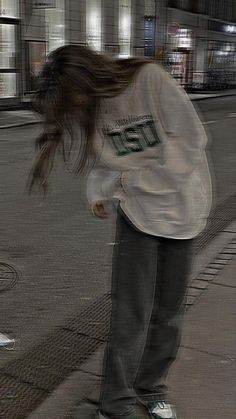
8	277
26	382
17	396
220	217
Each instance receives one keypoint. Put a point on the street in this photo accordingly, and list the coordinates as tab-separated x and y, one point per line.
62	253
219	116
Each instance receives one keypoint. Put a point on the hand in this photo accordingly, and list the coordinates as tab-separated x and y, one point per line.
99	210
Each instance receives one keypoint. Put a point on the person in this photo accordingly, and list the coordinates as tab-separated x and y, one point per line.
143	145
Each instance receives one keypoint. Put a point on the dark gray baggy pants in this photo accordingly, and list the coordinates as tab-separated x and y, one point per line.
149	281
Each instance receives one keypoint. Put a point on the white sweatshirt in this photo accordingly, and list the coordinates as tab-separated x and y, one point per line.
151	145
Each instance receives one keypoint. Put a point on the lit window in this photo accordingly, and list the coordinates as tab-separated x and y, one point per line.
125	27
93	24
9	8
7	47
55	18
7	85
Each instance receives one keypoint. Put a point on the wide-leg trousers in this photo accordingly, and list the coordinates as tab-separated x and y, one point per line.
149	278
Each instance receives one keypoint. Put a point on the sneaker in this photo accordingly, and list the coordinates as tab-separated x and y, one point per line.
6	342
160	410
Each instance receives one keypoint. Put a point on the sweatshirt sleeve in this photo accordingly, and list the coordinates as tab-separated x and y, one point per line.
184	138
103	184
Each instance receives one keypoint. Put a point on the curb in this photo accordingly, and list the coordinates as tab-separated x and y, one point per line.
70	395
21	124
211	97
71	392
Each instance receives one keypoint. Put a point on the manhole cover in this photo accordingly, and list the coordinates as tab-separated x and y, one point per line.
8	277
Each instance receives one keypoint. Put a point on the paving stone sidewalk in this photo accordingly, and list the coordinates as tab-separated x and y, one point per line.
203	379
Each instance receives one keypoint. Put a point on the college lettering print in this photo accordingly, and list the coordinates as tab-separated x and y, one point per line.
133	138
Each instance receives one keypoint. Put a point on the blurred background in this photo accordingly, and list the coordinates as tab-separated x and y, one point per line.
196	40
55	257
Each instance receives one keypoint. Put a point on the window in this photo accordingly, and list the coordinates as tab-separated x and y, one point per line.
125	27
7	85
36	54
189	5
174	3
93	24
8	48
202	6
55	18
9	8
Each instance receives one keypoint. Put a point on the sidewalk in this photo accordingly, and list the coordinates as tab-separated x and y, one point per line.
211	95
203	379
18	118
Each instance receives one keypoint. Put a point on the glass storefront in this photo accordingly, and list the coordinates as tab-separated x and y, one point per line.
222	55
9	23
221	64
179	55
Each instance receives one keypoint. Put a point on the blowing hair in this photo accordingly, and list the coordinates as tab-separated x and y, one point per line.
73	81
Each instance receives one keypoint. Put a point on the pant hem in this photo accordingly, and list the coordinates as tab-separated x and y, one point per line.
127	415
154	397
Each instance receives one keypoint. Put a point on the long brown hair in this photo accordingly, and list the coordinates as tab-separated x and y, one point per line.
72	82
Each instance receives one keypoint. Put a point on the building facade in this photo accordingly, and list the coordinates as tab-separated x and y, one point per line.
9	50
29	29
201	43
196	40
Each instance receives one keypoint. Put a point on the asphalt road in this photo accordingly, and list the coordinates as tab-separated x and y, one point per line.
61	251
219	116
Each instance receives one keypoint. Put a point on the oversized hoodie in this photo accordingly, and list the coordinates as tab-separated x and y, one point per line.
150	146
